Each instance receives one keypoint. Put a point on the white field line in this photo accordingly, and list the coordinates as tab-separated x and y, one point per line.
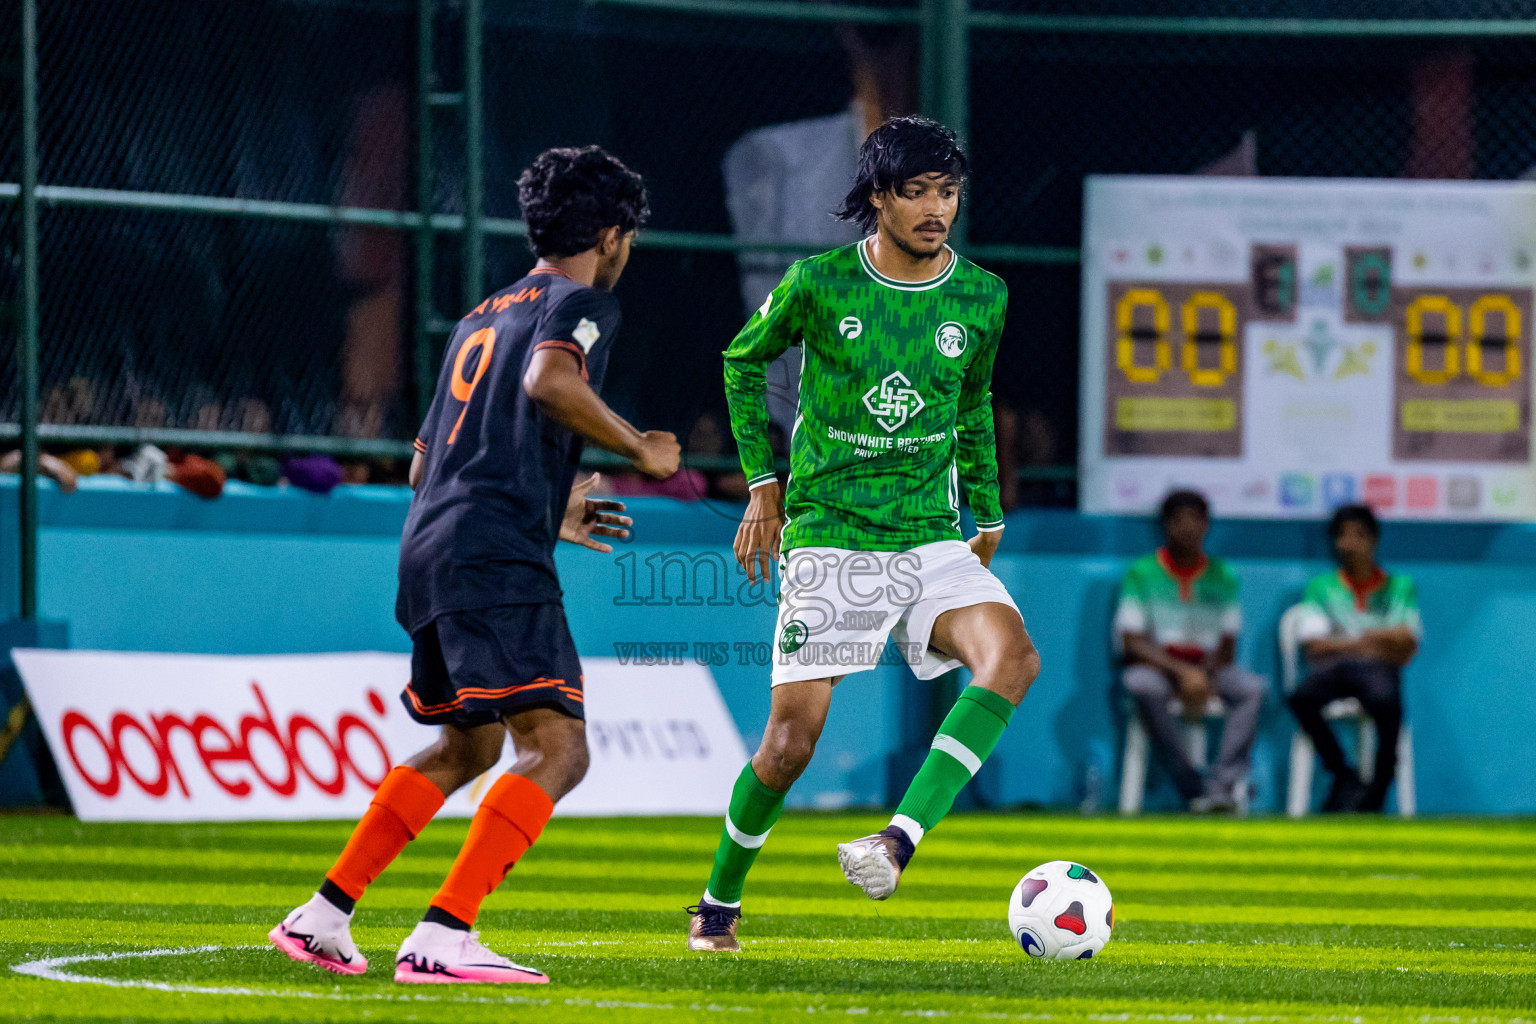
49	969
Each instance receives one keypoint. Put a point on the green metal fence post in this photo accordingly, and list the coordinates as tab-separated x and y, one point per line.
946	74
474	152
425	193
27	357
955	84
928	59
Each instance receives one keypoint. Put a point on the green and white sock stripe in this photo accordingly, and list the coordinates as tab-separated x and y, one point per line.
965	740
740	838
973	727
959	751
753	810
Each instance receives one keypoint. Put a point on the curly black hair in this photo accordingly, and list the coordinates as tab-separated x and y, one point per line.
569	196
900	149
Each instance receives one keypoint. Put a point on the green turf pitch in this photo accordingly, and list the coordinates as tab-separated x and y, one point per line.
1337	920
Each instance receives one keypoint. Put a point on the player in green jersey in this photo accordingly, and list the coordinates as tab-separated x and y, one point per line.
897	336
1359	628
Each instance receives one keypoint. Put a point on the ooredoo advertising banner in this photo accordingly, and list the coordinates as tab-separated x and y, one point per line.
177	737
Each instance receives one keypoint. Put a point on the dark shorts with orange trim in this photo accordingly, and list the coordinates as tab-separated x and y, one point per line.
475	667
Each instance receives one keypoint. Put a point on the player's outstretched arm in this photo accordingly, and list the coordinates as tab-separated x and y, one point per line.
554	381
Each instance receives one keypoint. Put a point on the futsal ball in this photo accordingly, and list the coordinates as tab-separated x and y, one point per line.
1061	911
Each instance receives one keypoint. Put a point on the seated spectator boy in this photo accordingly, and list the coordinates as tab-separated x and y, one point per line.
1176	626
1360	628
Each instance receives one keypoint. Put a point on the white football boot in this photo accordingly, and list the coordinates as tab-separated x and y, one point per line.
435	954
875	863
320	933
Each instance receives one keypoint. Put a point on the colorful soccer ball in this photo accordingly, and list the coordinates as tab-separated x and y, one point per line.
1061	911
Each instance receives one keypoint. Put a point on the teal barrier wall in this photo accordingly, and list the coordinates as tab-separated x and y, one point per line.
275	570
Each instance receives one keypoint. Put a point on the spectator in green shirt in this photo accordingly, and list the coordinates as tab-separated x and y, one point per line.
1361	626
1176	626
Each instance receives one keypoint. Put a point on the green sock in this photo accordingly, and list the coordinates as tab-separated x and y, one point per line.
754	808
970	731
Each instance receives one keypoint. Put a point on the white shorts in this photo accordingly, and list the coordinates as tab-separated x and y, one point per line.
837	607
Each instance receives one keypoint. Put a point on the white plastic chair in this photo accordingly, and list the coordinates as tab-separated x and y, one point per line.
1138	749
1298	797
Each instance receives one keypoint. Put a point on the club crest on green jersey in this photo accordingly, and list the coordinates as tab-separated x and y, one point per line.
893	401
951	338
850	327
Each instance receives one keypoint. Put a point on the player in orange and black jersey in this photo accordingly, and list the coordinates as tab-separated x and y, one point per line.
495	480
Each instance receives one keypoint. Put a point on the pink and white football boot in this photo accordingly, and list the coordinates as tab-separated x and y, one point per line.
320	933
435	954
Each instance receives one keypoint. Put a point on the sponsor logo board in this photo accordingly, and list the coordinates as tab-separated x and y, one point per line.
175	737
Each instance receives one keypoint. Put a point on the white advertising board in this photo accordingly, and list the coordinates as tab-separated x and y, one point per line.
177	737
1287	346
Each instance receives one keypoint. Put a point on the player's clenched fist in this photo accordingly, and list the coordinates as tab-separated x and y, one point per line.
658	455
757	540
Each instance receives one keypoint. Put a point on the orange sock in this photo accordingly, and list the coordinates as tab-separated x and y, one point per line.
509	820
401	808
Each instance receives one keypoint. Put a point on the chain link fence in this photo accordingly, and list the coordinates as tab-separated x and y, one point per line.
172	319
157	317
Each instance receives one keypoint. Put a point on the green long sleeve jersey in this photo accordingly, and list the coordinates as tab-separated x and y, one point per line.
895	400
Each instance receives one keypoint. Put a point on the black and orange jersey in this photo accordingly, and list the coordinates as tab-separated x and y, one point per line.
486	516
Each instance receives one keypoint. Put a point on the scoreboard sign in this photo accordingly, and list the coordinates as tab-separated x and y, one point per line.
1287	346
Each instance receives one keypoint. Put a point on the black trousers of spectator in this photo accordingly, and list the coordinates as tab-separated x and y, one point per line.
1378	687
